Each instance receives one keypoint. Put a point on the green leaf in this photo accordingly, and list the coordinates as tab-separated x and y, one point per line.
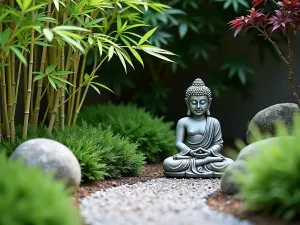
100	47
19	54
121	59
48	34
3	64
183	28
52	82
146	36
50	68
4	36
70	41
157	55
56	3
41	43
24	4
119	23
60	73
103	86
36	7
38	77
95	88
61	79
133	51
110	52
93	22
64	28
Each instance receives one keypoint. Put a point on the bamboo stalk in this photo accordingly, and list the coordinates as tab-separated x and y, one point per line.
72	100
80	82
62	109
4	102
25	81
40	81
54	111
28	98
9	97
17	87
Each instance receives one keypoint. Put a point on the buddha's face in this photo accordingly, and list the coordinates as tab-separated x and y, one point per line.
198	105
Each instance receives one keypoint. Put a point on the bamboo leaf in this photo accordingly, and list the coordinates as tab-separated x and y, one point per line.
48	34
19	54
35	7
119	23
64	28
38	77
4	36
70	41
111	52
56	3
61	79
3	64
133	51
103	86
61	84
50	68
100	47
93	22
146	36
59	73
156	49
86	77
41	43
119	4
158	55
121	59
134	25
96	89
51	82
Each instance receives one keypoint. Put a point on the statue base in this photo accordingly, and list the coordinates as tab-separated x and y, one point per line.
192	175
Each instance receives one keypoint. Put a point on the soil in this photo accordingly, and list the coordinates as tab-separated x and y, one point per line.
224	203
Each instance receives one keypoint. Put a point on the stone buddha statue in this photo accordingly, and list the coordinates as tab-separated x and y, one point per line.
198	139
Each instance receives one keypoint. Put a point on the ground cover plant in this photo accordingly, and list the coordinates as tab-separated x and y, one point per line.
101	153
271	183
30	197
44	46
155	137
283	17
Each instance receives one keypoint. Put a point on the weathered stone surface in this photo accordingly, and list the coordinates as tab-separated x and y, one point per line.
252	149
51	155
228	185
266	119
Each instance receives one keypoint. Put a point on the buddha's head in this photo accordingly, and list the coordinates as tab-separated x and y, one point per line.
198	99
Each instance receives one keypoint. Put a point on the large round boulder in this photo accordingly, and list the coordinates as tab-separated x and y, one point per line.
228	184
51	155
266	119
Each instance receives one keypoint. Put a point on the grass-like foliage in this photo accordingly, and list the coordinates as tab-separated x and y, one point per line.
272	180
30	197
100	152
155	137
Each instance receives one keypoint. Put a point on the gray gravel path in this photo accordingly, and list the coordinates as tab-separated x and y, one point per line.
156	202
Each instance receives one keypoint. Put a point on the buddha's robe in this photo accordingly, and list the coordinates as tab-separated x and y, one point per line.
184	165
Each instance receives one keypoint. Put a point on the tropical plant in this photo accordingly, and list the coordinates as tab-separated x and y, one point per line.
270	183
45	46
101	153
30	191
155	137
283	17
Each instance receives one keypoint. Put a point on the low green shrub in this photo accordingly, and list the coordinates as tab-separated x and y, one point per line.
155	137
100	153
30	197
272	180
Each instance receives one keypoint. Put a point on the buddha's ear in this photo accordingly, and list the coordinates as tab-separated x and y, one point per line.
209	102
187	104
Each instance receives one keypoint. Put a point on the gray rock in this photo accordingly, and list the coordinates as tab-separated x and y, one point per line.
253	149
51	155
265	119
228	184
